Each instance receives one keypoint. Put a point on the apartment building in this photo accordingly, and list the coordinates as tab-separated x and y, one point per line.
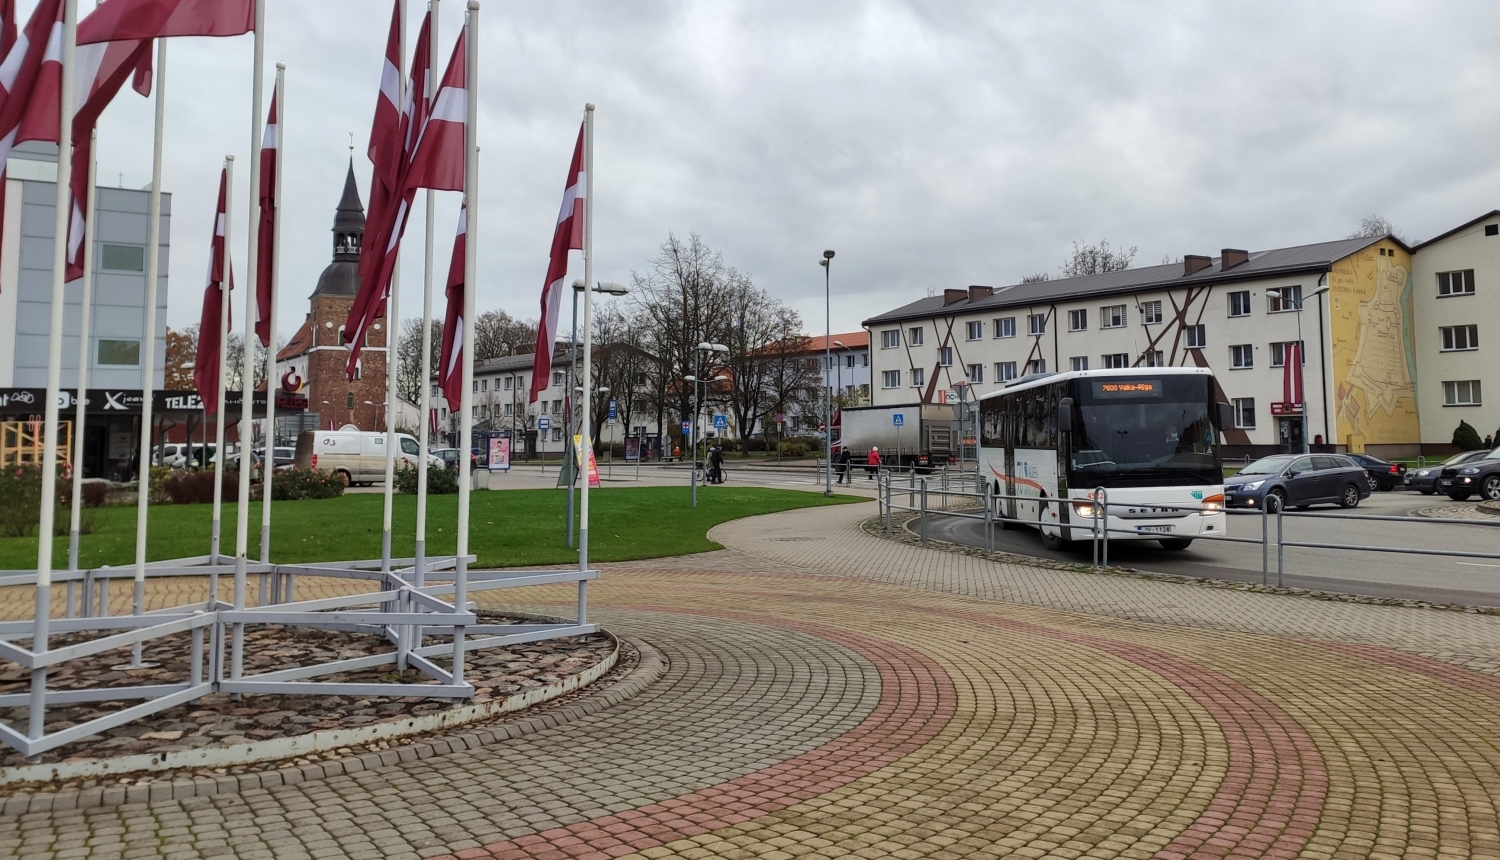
1388	334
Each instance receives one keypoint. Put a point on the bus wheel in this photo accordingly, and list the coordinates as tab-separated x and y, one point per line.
1176	543
1055	542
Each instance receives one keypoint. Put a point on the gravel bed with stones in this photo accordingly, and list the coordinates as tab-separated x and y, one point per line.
218	721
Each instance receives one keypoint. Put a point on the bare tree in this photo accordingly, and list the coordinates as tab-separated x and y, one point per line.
409	380
619	364
1036	278
235	361
757	322
1096	259
182	348
1372	226
794	379
498	334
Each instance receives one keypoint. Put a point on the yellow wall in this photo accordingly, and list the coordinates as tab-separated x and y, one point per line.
1374	347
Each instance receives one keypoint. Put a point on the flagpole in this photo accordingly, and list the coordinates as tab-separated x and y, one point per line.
225	294
471	246
420	572
588	342
247	363
148	362
392	323
269	466
84	321
37	711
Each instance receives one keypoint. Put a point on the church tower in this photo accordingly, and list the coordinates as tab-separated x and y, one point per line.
337	399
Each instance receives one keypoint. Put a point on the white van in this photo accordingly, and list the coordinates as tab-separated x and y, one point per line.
356	456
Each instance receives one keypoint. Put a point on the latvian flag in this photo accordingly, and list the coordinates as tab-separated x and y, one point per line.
206	370
1291	375
568	236
451	357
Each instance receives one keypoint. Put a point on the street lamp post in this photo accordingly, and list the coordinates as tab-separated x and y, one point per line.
827	360
1286	296
613	289
696	380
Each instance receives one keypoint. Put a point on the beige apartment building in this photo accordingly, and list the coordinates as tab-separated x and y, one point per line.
1389	335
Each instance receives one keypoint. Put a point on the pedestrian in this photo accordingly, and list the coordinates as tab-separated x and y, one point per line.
846	472
1489	441
873	459
676	453
715	465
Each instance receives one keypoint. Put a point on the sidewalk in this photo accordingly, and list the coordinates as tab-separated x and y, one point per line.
834	694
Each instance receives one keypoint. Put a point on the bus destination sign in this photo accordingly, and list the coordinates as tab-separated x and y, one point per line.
1127	388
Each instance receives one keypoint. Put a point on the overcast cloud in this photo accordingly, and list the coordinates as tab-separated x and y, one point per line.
932	144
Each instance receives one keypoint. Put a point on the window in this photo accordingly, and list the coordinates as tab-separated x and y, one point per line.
1116	360
1457	337
1244	413
976	330
976	373
1284	299
1150	313
557	407
1005	371
914	336
945	356
1079	362
864	359
507	408
1278	353
485	385
509	380
1197	336
1462	393
1241	356
1153	358
1239	303
890	338
119	353
1036	324
349	403
476	386
122	258
557	377
359	369
557	434
1456	283
1078	320
890	379
1036	365
918	377
1112	316
1005	327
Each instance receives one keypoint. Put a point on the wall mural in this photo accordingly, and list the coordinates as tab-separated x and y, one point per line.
1374	348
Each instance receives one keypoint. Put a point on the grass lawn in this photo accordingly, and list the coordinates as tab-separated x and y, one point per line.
508	528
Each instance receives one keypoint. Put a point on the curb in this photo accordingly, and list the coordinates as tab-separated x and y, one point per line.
651	667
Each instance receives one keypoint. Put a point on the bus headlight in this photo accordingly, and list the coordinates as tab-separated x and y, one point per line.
1084	509
1214	504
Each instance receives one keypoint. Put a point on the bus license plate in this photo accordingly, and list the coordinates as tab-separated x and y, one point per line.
1154	529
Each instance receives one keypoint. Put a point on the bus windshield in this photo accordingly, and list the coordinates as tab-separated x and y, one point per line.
1151	431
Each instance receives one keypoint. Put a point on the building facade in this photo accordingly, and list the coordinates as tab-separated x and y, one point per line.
314	362
1381	358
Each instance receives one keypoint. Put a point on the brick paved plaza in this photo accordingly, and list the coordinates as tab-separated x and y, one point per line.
831	694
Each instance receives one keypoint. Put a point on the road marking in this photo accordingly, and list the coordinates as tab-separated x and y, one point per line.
1476	564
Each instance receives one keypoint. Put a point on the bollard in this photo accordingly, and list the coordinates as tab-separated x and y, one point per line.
924	510
1265	546
1279	551
989	523
1101	501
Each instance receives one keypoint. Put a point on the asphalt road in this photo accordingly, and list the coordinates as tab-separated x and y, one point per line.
1414	576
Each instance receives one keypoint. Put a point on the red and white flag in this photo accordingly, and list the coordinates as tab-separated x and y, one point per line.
437	154
7	41
270	158
568	236
129	20
451	356
40	44
207	374
385	149
1291	373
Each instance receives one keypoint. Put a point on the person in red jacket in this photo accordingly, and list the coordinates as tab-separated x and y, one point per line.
873	458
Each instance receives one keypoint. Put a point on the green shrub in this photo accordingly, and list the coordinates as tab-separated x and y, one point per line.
196	488
21	499
291	485
794	448
1466	438
440	482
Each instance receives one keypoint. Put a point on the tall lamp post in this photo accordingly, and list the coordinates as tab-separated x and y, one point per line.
697	380
827	362
609	288
1297	302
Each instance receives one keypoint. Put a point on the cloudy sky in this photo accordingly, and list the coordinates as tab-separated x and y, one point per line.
931	144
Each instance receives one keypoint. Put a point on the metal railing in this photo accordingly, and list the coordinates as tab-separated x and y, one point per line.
918	493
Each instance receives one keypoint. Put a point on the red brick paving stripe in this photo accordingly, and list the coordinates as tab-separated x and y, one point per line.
917	699
1457	676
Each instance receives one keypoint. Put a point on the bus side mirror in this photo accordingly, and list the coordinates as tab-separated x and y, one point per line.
1065	415
1226	416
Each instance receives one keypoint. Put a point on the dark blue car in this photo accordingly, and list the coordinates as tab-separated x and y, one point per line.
1299	481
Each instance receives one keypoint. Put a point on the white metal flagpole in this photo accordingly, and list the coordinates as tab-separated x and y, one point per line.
247	365
224	297
148	361
82	384
272	383
423	441
392	327
588	364
37	711
471	246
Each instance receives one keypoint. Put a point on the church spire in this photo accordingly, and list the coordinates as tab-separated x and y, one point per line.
349	220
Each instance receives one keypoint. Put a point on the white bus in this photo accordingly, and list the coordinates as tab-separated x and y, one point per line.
1148	435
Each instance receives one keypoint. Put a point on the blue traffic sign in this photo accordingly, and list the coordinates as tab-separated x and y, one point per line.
721	422
898	419
544	423
687	426
613	409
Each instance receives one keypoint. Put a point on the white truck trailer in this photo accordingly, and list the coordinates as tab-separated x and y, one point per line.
924	435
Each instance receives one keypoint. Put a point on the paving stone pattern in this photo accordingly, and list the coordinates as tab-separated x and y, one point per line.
833	694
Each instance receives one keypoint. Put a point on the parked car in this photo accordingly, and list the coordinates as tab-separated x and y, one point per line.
1298	480
1383	475
1476	476
285	456
355	456
449	456
1425	479
171	454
